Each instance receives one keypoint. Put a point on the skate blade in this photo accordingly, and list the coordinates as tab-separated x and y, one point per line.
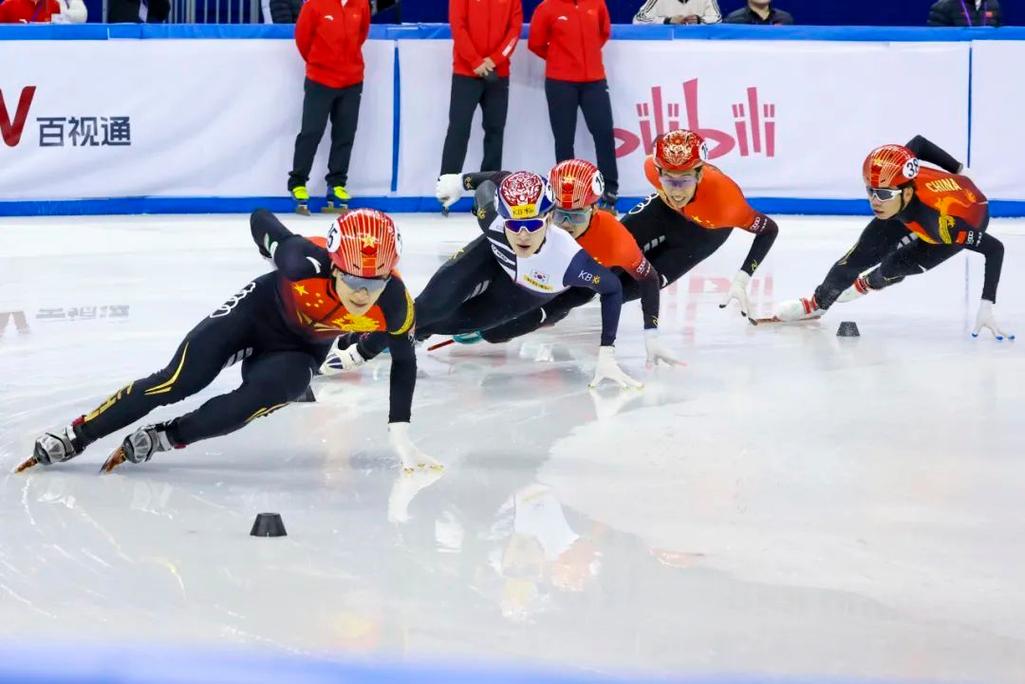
33	461
776	319
302	210
116	459
330	209
423	467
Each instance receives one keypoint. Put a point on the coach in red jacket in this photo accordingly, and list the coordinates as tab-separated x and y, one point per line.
330	36
569	36
484	35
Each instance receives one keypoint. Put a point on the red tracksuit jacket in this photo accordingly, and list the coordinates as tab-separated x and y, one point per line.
484	28
330	35
569	36
22	11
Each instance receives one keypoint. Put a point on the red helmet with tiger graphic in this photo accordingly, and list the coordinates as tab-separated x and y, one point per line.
364	243
576	184
890	166
680	150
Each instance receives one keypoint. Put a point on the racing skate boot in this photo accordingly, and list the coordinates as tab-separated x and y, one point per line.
140	446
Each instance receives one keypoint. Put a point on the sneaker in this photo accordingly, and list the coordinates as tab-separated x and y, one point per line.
339	194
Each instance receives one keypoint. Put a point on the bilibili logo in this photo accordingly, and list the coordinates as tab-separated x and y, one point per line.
754	125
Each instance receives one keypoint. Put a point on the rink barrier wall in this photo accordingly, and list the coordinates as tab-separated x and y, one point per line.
960	98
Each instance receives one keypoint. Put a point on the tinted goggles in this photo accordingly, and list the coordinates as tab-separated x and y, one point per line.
530	225
574	217
883	194
678	182
371	285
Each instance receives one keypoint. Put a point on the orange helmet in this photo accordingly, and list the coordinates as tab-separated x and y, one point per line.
364	243
890	166
680	151
576	183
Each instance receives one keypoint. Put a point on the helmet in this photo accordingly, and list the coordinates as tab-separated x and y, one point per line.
577	184
364	243
524	195
890	166
680	150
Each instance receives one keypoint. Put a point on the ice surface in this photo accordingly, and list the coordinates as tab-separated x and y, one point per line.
788	503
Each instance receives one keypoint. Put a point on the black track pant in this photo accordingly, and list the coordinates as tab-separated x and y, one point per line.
888	244
671	243
592	97
493	97
277	369
320	103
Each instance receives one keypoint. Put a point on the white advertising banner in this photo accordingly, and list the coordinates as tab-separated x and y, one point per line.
785	118
172	118
998	143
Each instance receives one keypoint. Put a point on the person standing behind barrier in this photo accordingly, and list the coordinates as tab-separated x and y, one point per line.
760	13
281	11
484	35
28	11
330	35
678	12
569	36
42	11
965	13
138	11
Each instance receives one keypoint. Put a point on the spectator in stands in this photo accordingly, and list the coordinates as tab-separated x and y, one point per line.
760	12
569	36
484	33
282	11
28	11
678	12
330	37
965	13
138	11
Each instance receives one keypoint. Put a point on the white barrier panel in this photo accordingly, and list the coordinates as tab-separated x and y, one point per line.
785	118
998	142
173	118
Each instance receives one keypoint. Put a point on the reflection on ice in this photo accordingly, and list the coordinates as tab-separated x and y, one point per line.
787	503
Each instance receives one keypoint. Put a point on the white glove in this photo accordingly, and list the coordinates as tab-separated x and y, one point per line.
341	360
449	189
608	369
985	319
656	351
409	454
738	291
59	19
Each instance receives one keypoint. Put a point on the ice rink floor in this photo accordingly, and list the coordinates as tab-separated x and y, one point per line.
789	503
